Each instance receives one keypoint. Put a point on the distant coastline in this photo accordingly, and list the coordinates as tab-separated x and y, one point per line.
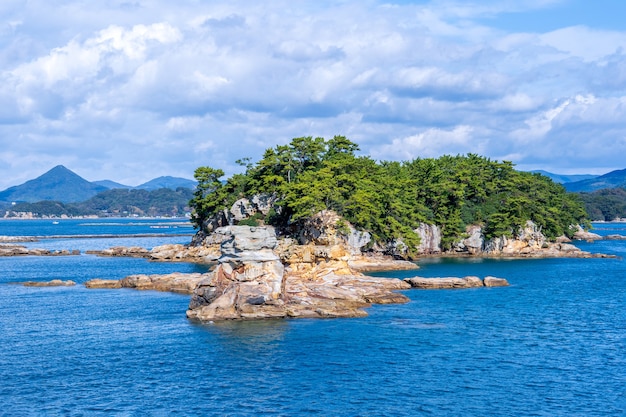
93	217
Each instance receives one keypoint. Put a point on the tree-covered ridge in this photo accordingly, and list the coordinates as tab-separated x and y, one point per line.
390	199
607	205
116	202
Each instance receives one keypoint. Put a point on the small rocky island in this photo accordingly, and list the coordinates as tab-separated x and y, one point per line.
316	272
252	281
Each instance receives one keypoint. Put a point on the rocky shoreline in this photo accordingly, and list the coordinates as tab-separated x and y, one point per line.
18	250
256	275
257	279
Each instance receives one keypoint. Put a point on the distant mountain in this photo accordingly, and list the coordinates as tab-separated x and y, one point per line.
167	182
611	180
111	185
561	178
58	184
114	203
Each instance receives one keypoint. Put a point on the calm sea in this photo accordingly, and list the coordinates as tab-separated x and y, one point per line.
551	344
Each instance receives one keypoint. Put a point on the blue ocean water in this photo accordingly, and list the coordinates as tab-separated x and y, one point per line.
551	344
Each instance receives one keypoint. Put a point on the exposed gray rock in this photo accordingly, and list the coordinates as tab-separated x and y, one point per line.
251	282
495	282
176	252
563	239
444	283
582	234
243	244
122	251
473	243
103	283
242	209
430	238
357	240
453	282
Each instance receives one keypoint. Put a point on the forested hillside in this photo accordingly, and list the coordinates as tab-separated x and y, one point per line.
117	202
389	199
607	205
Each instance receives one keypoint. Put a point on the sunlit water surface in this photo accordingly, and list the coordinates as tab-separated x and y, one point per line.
551	344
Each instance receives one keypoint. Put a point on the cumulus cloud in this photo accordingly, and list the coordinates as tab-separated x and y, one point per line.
132	90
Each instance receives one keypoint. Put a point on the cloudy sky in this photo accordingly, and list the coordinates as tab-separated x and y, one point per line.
129	90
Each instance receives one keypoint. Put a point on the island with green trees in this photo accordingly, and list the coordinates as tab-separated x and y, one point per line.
293	233
387	199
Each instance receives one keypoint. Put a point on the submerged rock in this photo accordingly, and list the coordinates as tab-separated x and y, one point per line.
14	239
52	283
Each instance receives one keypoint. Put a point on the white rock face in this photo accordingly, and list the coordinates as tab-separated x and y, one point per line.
582	234
247	244
244	208
430	238
474	243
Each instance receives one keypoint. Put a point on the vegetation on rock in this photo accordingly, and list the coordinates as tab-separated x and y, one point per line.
389	199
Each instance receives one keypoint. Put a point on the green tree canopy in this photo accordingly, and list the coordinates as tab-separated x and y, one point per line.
390	199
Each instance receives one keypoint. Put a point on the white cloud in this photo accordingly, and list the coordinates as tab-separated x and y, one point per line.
585	43
427	144
195	83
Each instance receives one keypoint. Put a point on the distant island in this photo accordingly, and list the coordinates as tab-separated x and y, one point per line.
62	193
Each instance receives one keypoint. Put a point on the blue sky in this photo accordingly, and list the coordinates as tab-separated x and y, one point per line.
129	90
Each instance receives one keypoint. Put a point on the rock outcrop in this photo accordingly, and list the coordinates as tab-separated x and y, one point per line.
16	250
529	242
495	282
582	234
184	253
474	243
258	277
103	283
430	239
169	252
175	282
454	282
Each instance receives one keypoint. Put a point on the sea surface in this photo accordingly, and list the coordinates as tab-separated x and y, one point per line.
551	344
